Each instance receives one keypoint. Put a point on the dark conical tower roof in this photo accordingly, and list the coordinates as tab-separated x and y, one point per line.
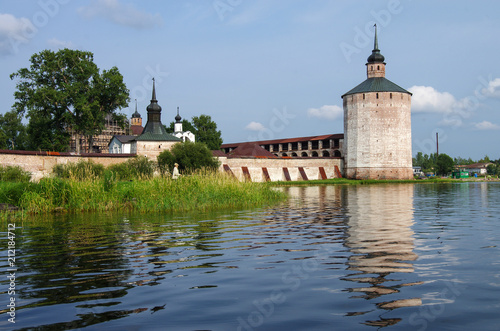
376	57
154	106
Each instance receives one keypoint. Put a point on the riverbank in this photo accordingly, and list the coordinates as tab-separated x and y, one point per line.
345	181
202	191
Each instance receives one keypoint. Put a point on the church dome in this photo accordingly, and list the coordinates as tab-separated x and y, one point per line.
375	57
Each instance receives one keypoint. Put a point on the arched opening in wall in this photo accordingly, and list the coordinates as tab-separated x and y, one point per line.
294	154
284	154
378	67
326	154
304	154
314	154
337	154
276	154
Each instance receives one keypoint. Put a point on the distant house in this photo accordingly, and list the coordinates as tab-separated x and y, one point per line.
121	144
476	168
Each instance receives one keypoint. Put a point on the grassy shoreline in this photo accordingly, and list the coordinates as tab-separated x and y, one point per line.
202	191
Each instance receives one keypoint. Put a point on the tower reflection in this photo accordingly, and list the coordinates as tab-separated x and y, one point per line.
380	239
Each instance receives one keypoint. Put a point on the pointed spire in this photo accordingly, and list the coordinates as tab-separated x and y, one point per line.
153	97
154	106
178	118
136	105
376	57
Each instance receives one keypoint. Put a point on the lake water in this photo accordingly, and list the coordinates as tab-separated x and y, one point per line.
400	257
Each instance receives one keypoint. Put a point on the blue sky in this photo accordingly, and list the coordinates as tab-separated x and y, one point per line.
265	69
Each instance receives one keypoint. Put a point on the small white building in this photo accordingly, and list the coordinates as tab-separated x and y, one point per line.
121	144
179	133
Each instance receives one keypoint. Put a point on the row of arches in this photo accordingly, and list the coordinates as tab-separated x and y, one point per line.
311	154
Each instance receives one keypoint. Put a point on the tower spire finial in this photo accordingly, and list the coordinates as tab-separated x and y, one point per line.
153	97
375	44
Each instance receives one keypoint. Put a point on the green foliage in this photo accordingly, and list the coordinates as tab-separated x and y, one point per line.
65	90
82	170
203	190
139	167
190	157
14	174
444	164
206	132
12	131
493	169
204	129
426	162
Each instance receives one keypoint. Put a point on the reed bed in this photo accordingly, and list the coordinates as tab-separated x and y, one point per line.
203	190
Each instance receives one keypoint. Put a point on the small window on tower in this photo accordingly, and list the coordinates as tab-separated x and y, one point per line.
390	95
363	96
378	67
377	95
371	68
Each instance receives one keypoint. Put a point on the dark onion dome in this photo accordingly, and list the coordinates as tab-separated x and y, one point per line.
376	57
136	114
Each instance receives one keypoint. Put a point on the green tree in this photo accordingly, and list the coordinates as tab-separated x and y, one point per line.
485	159
190	156
492	169
63	91
444	164
206	132
12	131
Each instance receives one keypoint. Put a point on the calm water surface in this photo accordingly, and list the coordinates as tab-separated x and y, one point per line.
400	257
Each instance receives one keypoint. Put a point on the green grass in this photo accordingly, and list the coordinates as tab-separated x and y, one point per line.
200	191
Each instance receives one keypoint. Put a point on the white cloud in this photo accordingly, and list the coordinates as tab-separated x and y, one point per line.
255	126
56	43
326	112
493	89
485	125
119	13
13	31
426	99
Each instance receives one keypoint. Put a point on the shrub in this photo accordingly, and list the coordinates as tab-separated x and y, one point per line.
190	157
139	167
14	174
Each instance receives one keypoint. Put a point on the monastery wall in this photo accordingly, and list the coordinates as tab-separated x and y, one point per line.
279	169
40	164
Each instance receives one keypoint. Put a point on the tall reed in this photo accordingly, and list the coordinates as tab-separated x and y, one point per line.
203	190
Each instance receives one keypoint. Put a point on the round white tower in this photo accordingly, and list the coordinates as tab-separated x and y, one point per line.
377	126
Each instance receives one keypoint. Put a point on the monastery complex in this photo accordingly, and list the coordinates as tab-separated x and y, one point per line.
376	143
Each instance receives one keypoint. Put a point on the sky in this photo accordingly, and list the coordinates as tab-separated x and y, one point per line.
269	69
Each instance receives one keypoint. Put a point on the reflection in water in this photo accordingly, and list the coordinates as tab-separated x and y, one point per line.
380	237
207	271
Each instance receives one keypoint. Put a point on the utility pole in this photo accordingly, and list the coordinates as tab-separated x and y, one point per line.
437	145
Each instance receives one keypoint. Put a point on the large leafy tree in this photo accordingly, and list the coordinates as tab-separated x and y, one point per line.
64	91
444	164
206	132
12	131
190	156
